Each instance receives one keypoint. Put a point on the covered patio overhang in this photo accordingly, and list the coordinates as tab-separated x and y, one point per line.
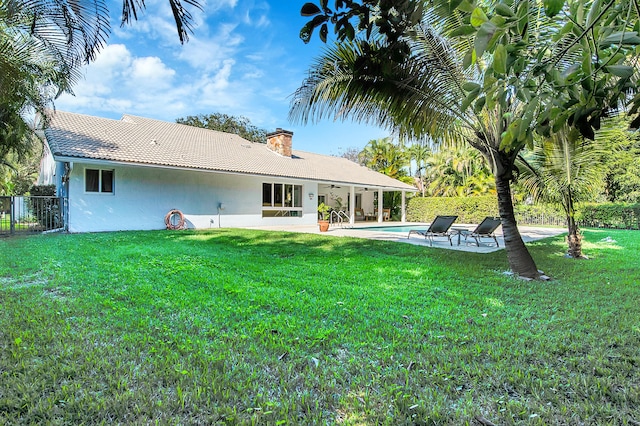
362	202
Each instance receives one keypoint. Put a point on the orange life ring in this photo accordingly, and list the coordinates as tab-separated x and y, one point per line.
171	223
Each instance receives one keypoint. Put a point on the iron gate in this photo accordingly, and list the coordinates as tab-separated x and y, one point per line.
25	214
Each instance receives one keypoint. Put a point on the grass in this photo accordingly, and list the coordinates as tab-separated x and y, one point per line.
20	225
252	327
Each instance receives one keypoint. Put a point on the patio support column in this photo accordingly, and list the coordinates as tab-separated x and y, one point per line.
380	213
352	204
404	207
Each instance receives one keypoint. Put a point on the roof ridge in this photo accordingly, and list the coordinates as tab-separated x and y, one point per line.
173	123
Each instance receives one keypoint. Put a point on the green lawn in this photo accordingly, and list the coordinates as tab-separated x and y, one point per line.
252	327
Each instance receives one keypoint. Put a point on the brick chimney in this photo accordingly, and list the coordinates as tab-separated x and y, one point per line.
280	142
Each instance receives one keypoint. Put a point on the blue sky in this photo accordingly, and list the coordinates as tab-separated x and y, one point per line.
245	58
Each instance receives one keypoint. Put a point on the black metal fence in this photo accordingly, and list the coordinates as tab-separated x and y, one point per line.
23	214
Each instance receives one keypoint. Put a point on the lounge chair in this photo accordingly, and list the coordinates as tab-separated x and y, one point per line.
438	228
359	214
486	229
386	214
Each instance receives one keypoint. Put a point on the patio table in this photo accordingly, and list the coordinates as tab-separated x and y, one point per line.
458	230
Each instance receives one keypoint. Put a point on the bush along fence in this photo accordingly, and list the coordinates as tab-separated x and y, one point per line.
474	209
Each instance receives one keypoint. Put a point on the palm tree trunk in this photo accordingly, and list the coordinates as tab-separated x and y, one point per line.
518	256
574	238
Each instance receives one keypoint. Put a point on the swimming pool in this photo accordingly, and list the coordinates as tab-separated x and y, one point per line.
399	229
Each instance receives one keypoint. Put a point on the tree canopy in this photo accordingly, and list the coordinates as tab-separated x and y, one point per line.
240	126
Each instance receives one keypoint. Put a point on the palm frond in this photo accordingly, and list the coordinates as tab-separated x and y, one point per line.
361	81
74	30
563	169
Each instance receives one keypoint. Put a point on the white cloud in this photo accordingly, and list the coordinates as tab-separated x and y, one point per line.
219	81
150	72
257	14
209	53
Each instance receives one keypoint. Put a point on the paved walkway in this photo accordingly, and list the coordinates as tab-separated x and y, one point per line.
364	230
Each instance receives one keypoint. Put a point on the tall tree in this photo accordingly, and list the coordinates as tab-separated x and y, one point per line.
240	126
490	73
391	159
17	175
38	60
419	153
352	154
386	157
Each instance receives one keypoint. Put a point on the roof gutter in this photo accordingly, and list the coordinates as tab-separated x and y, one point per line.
195	169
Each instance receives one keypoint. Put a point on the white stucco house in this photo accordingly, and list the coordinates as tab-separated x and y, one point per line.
127	174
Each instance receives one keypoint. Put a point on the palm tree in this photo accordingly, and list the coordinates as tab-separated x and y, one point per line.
420	96
84	24
419	152
386	157
42	47
383	156
564	169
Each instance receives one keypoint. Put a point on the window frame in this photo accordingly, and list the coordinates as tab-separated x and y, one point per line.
279	205
101	181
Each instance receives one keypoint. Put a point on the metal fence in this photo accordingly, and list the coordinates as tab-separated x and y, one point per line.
528	218
625	220
23	214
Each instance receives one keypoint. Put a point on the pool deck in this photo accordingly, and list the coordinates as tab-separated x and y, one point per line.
529	233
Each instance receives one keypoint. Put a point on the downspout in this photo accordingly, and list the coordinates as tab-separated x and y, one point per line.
68	168
221	206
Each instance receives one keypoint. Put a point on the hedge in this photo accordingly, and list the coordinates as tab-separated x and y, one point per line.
609	215
468	209
474	209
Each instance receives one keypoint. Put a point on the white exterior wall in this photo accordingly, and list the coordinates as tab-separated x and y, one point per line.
367	202
143	195
51	171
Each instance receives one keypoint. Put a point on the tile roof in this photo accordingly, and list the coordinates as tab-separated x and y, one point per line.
145	141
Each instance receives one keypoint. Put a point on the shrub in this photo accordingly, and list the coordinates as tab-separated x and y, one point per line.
45	207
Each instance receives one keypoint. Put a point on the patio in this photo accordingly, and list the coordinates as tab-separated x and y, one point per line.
364	230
